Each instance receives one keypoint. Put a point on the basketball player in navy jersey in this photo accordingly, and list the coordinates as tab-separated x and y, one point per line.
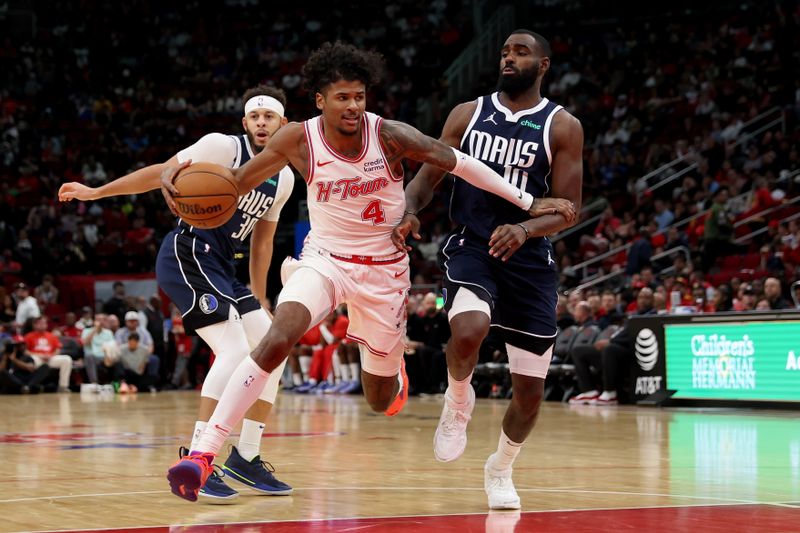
195	267
499	266
352	162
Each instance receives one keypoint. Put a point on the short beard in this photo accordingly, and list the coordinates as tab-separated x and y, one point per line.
252	138
519	83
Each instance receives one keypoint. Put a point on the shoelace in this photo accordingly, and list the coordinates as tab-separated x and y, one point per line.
453	419
219	472
268	466
503	483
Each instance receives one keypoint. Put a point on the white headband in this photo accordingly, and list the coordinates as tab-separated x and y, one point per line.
263	101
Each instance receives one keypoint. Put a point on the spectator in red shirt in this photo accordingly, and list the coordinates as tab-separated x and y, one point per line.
43	346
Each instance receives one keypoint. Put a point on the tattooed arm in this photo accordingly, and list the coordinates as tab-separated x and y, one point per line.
403	141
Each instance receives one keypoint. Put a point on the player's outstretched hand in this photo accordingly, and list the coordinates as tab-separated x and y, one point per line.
552	206
409	224
76	191
506	240
168	189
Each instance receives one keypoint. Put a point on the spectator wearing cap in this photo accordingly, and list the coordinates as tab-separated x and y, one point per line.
43	347
27	307
132	326
86	320
18	371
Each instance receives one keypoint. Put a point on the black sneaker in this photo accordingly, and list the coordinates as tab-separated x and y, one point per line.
256	474
215	491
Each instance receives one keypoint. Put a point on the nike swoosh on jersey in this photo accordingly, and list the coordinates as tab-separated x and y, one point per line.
401	273
321	164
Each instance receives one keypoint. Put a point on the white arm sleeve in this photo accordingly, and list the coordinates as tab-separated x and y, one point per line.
212	148
285	187
478	174
326	334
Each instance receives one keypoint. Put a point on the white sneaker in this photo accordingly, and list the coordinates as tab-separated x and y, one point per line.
499	487
450	438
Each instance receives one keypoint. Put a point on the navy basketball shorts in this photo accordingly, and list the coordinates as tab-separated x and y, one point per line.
201	283
521	292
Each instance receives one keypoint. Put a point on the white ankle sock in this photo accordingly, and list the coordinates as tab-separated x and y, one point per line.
243	389
250	439
297	380
344	371
458	390
355	372
507	451
199	428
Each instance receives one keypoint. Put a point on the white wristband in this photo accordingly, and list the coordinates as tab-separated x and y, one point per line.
478	174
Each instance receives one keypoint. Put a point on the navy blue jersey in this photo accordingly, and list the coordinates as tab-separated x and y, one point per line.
233	236
517	147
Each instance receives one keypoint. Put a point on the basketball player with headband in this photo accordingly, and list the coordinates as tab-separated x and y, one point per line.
195	267
352	161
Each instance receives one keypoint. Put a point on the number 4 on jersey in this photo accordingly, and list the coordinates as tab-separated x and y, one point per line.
374	212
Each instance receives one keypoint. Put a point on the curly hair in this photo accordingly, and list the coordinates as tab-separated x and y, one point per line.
340	61
266	90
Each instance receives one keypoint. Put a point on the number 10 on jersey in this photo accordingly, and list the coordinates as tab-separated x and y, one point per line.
374	212
516	177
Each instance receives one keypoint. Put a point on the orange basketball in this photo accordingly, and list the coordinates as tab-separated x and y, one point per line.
207	195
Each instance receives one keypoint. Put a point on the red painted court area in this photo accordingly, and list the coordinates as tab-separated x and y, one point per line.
725	518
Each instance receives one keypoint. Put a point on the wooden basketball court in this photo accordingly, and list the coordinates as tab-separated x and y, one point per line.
76	462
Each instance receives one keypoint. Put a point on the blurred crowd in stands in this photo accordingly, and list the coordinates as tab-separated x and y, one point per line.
711	89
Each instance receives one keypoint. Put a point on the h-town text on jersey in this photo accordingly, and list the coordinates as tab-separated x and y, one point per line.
349	188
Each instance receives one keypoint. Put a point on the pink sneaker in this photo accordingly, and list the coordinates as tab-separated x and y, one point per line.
123	388
585	398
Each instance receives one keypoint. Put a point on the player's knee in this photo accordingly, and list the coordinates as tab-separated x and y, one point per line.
467	341
529	398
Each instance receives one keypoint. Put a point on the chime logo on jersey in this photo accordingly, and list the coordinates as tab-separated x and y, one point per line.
208	303
349	187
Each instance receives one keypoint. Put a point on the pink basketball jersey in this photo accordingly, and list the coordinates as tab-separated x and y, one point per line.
353	203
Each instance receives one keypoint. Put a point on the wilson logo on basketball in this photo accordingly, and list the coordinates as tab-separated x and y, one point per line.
349	188
195	209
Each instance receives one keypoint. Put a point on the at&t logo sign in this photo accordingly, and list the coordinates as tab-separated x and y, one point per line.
646	349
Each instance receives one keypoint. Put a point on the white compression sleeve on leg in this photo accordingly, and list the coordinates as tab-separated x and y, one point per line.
256	324
478	174
229	344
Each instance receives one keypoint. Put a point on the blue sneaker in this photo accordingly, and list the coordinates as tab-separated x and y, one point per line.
256	474
352	387
215	491
304	388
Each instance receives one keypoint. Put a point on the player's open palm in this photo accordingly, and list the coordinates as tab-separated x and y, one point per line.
76	191
408	225
552	206
506	240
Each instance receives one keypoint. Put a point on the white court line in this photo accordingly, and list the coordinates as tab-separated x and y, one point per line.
429	489
300	520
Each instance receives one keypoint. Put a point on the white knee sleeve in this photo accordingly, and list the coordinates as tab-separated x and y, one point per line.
528	363
229	343
466	300
256	324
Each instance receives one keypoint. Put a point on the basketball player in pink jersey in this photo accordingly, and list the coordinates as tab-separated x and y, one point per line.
352	163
